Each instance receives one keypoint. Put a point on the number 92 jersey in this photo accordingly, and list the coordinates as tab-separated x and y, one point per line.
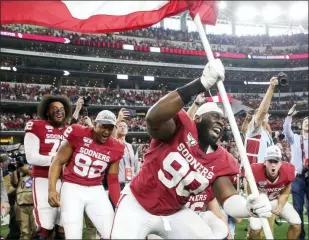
50	141
176	169
90	158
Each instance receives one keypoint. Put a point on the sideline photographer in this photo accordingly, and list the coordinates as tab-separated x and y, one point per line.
82	112
21	179
300	156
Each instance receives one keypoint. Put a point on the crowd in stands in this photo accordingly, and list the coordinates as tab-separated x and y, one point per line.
14	121
159	37
129	97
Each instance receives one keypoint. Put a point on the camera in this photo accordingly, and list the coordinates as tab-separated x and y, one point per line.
84	111
283	79
18	160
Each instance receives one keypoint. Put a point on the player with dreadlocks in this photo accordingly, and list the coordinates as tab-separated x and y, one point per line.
42	139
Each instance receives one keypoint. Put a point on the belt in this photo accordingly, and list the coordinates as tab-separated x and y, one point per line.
300	175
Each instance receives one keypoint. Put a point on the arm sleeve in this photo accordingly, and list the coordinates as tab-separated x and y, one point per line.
236	206
32	150
287	130
113	187
4	195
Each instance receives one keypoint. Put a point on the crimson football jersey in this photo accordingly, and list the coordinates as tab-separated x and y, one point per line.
176	169
50	141
90	158
199	202
287	174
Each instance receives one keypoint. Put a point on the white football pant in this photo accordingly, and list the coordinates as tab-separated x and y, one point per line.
45	216
288	214
132	221
217	225
75	199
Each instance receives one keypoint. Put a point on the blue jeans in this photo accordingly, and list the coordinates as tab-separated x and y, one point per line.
298	193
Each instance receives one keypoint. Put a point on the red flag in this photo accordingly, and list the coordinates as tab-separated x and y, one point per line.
218	98
102	16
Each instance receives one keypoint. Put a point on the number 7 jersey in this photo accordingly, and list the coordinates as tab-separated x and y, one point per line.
50	141
177	169
89	159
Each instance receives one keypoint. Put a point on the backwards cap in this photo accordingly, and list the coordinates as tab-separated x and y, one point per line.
106	117
208	107
273	152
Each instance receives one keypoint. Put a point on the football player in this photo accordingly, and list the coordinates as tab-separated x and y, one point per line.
87	153
183	160
274	177
42	140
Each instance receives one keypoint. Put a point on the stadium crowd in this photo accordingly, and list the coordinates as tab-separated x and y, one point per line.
129	97
159	37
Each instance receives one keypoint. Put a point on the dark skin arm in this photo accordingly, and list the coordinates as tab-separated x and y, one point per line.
159	119
114	168
223	188
63	157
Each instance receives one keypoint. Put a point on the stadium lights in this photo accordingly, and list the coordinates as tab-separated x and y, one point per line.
299	10
246	13
122	76
256	83
271	13
222	5
149	78
8	68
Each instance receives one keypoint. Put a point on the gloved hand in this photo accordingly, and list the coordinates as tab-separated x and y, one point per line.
259	206
213	72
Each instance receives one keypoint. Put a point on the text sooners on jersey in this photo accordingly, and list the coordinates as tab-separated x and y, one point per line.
287	174
177	169
90	158
50	141
199	202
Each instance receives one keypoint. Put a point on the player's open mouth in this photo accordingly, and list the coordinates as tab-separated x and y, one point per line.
273	170
216	131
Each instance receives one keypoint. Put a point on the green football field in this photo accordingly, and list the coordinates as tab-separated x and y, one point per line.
241	233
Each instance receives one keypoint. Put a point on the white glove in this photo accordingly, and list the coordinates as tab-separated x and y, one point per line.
259	206
213	72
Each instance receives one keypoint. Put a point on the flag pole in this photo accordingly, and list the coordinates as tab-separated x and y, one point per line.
234	127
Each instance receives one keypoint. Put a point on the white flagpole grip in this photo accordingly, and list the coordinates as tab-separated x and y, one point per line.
234	127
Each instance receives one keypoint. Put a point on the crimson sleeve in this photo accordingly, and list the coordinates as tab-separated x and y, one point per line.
113	187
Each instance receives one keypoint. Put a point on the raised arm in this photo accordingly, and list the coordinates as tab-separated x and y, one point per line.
200	99
159	118
264	106
287	130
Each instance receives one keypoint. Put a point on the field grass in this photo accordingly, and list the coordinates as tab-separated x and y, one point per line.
241	233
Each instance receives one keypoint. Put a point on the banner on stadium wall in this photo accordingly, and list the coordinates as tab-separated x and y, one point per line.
149	49
131	62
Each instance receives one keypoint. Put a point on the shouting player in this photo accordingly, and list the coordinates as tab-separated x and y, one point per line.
42	140
87	153
274	177
183	160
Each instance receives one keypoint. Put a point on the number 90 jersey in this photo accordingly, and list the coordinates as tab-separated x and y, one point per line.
287	174
90	158
177	169
50	141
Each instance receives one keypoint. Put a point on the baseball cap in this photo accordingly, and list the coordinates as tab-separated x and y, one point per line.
208	107
273	153
106	117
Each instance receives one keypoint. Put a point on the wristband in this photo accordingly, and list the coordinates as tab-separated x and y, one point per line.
197	104
187	91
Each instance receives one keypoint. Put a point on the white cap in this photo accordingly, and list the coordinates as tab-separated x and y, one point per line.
106	117
273	152
208	107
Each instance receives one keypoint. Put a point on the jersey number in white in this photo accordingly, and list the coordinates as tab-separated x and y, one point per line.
180	178
85	167
56	144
